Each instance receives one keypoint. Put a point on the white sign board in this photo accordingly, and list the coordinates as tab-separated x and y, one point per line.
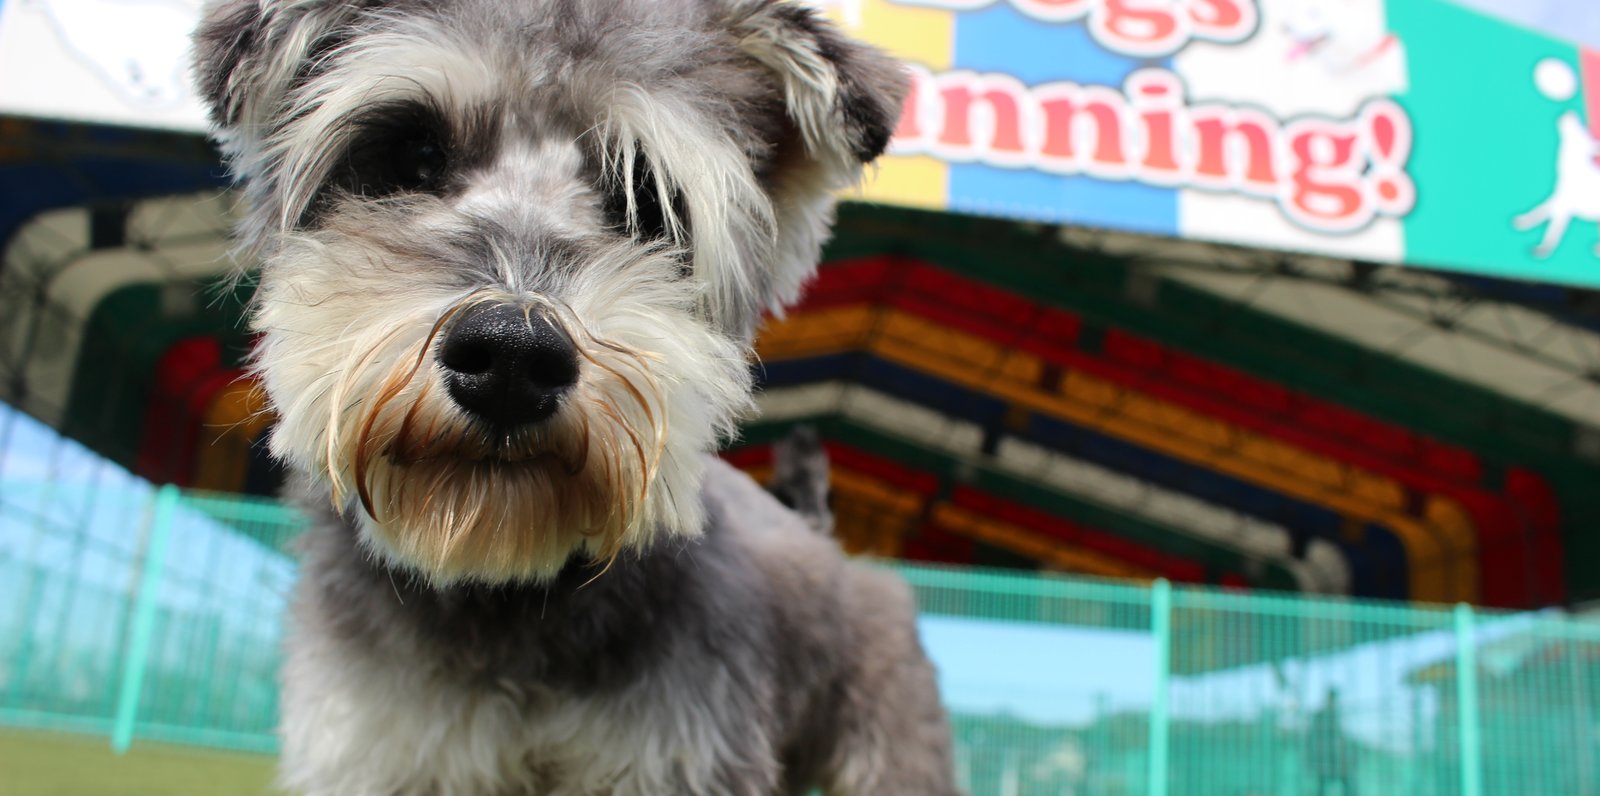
121	62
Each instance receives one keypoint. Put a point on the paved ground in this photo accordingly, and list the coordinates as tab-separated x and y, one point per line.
38	764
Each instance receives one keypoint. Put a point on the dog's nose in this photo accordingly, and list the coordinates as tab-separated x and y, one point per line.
507	366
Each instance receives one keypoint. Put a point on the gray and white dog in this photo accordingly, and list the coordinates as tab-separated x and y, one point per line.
513	253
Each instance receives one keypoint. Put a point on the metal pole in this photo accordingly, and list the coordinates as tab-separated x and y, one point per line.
1160	728
144	620
1469	740
1581	731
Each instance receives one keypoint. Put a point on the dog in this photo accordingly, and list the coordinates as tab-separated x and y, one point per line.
512	255
801	479
1577	191
1350	41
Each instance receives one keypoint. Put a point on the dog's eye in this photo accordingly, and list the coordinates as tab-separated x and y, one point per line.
419	163
401	161
396	150
649	220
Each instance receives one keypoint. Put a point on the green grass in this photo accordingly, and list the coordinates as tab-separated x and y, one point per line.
42	764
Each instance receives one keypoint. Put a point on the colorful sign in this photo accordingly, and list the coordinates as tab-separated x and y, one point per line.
1399	131
1402	131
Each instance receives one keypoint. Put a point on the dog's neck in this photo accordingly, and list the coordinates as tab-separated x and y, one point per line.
586	629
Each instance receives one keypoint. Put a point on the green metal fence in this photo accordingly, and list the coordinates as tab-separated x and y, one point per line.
140	613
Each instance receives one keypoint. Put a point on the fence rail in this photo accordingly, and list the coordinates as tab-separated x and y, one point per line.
143	613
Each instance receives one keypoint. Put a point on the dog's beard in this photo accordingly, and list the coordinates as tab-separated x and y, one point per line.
439	492
463	500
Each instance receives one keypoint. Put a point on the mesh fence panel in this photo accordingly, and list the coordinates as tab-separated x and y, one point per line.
1269	692
1537	703
1049	680
213	657
120	615
65	570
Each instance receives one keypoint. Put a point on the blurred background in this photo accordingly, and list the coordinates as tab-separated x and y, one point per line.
1224	375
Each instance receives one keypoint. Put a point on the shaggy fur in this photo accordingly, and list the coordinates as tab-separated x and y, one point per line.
587	602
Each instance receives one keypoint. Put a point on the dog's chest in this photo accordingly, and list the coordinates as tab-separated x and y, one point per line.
380	730
585	687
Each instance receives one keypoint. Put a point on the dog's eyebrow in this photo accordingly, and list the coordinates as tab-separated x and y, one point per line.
397	112
321	53
474	128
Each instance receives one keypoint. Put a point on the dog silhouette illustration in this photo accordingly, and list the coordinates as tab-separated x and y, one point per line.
1577	190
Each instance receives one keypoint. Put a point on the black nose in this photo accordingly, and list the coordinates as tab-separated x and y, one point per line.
507	366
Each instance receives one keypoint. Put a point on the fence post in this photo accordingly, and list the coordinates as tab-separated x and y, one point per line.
144	619
1161	627
1467	718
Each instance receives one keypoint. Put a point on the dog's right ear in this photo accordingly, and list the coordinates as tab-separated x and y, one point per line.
843	96
249	54
838	100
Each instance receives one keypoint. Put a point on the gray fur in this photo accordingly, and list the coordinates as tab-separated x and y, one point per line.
829	686
590	604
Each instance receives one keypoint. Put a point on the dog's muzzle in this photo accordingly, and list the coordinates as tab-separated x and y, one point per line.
507	365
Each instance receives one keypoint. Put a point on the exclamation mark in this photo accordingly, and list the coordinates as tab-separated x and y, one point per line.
1387	130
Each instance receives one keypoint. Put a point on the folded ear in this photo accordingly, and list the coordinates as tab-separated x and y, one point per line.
249	54
230	33
841	101
842	96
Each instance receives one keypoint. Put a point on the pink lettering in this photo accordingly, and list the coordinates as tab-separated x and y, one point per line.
1327	175
1141	28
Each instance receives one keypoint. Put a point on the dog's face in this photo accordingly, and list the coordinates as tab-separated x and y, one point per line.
513	251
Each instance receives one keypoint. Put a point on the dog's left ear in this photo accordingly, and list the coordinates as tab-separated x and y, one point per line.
843	97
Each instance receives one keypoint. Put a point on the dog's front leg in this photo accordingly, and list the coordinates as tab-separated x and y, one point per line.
1553	233
889	734
1532	218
